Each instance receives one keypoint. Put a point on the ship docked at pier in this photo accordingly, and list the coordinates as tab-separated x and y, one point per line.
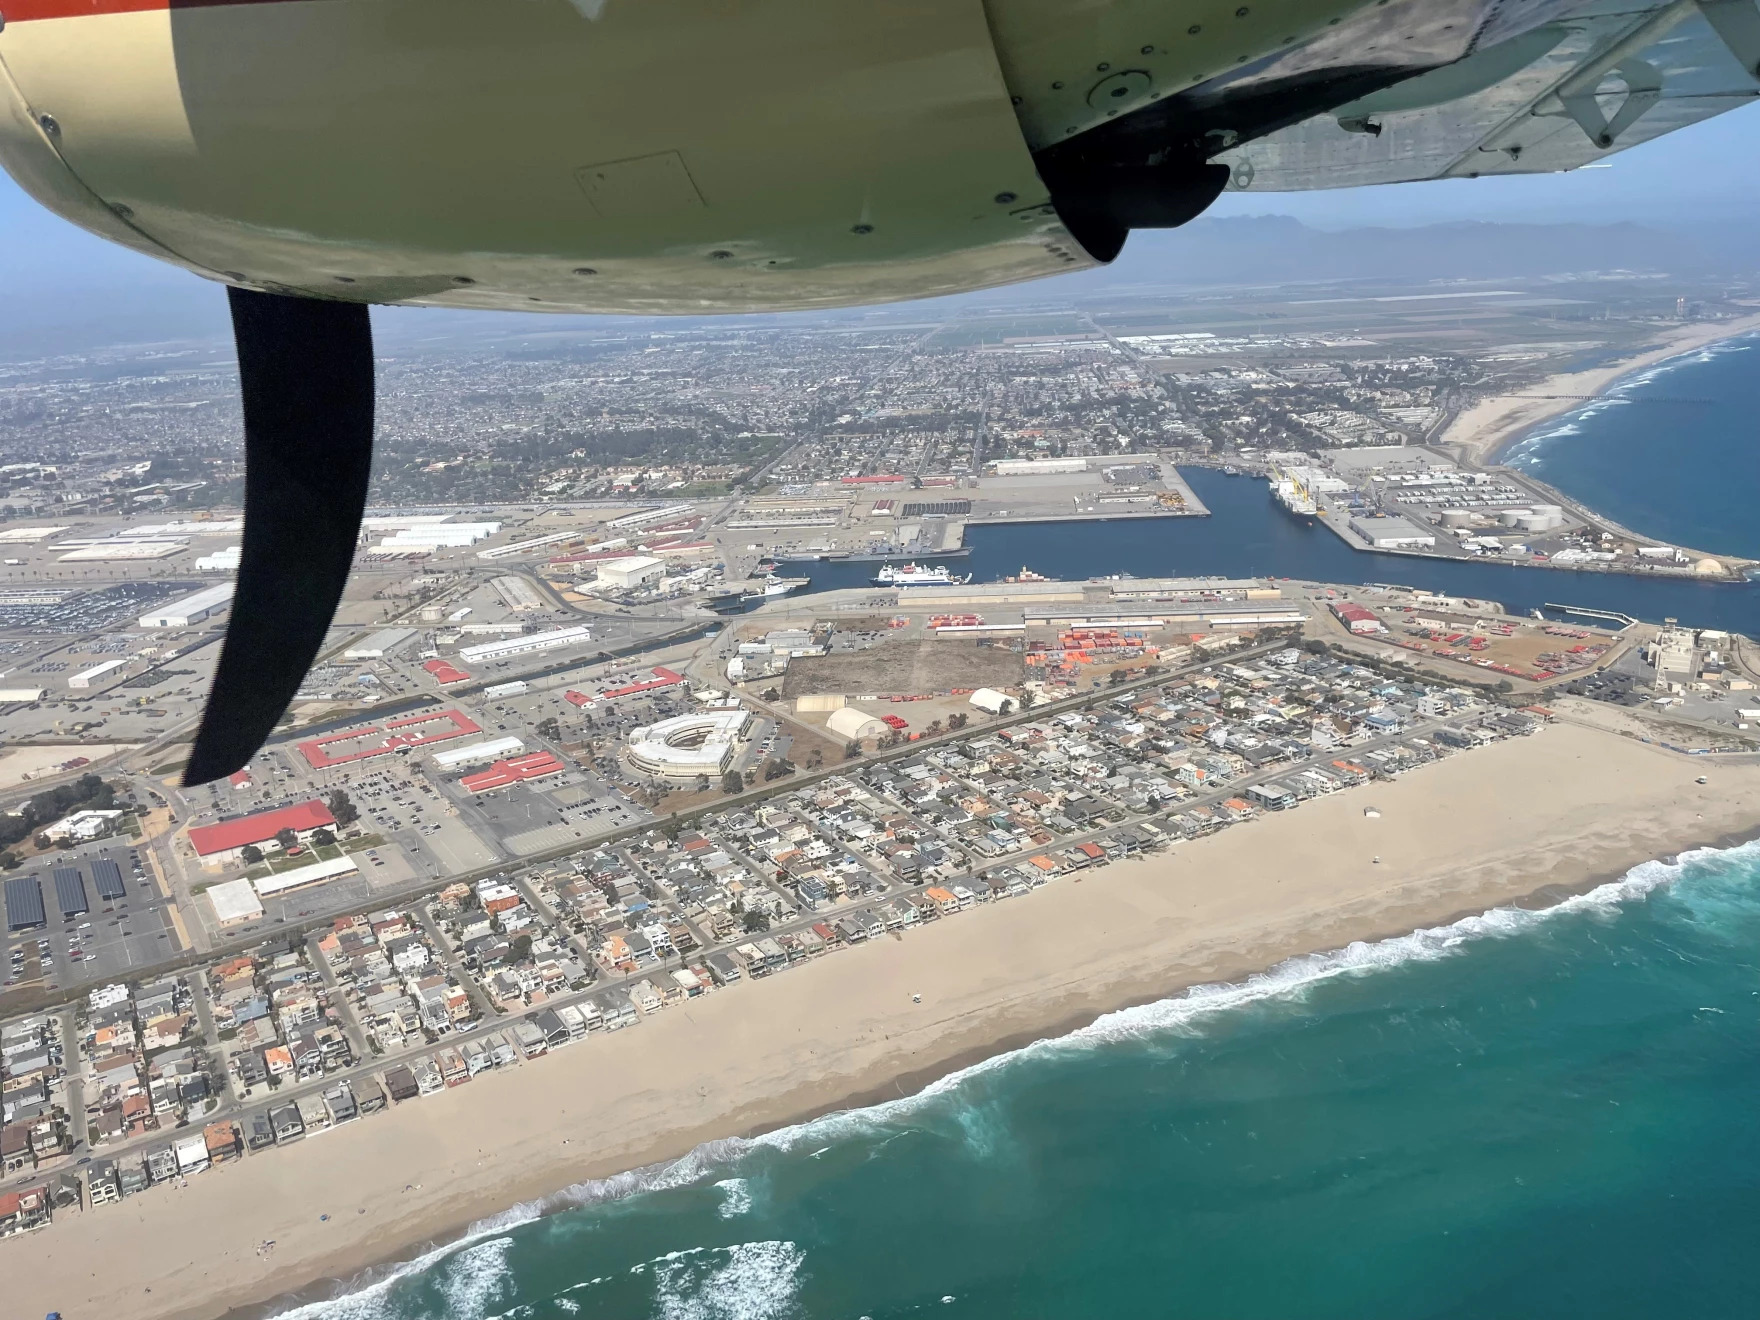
918	575
1292	487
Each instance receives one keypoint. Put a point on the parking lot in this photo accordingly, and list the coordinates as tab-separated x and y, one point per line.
102	944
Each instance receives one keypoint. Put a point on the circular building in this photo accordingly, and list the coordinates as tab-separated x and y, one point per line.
686	746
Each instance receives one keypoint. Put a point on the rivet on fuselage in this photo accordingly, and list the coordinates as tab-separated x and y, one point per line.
48	125
861	229
1004	198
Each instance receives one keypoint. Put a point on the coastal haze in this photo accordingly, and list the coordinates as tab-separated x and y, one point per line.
783	791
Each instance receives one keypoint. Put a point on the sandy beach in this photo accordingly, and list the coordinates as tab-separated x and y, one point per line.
1529	819
1482	431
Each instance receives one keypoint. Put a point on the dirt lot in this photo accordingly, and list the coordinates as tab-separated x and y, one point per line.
904	667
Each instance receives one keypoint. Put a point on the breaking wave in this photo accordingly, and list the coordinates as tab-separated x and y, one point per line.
472	1271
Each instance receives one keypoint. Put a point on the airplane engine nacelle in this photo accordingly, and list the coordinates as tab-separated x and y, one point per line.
608	155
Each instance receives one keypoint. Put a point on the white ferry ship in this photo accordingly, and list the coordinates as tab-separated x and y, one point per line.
918	575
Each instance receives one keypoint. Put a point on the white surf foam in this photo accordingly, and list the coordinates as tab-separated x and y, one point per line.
736	1197
747	1281
1183	1012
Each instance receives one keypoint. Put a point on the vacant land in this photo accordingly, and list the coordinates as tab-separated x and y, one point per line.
904	667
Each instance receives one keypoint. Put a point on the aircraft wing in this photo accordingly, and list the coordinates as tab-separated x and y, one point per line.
1605	78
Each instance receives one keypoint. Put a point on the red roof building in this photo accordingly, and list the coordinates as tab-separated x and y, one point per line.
376	740
534	765
220	842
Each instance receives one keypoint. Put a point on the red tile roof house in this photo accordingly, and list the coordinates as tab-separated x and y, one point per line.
220	845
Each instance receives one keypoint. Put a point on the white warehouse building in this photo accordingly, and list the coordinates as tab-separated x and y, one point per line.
481	753
538	641
628	574
191	609
686	746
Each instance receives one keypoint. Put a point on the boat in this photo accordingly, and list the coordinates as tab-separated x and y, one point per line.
1027	575
918	575
770	586
1291	488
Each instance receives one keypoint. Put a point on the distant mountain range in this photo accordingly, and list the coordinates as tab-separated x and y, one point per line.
1278	249
74	295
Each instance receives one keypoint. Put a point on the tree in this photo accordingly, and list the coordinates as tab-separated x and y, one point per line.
851	751
344	810
522	947
702	783
754	921
1504	685
731	783
771	694
1006	707
286	837
251	854
1314	646
322	838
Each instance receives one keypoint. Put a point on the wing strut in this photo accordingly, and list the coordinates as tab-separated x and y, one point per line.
306	368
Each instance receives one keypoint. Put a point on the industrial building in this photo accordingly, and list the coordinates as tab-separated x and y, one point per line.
989	699
631	573
224	560
380	645
436	535
1393	533
20	694
87	677
647	516
517	594
191	609
538	641
451	758
1039	467
685	746
1357	619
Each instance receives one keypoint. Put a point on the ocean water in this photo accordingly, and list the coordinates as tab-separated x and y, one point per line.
1524	1114
1672	451
1249	535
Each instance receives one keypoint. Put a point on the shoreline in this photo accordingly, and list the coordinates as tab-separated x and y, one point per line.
905	1086
842	1033
1486	431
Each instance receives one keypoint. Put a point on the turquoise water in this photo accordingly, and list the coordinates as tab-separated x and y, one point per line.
1521	1115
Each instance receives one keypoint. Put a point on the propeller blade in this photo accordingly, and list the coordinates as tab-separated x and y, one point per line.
306	368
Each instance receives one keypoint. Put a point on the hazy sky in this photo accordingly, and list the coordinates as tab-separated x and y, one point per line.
60	288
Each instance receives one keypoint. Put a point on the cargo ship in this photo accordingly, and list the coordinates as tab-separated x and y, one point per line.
1290	488
918	575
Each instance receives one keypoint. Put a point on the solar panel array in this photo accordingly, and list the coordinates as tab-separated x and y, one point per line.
24	904
70	891
107	875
